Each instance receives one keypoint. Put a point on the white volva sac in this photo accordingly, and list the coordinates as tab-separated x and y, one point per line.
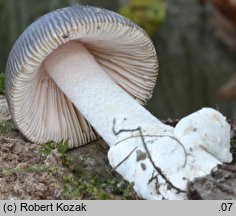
80	72
204	142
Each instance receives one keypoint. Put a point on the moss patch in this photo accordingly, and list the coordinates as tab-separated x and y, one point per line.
81	184
8	129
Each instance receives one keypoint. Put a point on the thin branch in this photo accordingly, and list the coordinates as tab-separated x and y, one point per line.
139	129
156	167
159	136
122	130
124	159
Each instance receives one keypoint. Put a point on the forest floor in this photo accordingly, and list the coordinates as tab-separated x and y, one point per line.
31	171
51	171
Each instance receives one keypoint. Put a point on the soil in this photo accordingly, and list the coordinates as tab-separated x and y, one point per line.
219	184
31	171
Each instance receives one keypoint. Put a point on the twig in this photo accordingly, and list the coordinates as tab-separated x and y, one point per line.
122	130
159	136
139	129
124	159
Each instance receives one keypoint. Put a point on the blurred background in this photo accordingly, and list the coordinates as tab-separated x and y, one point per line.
195	42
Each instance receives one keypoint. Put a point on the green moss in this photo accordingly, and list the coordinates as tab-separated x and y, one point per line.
32	169
61	147
95	188
83	188
7	127
80	185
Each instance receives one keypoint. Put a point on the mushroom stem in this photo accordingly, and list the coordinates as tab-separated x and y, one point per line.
96	95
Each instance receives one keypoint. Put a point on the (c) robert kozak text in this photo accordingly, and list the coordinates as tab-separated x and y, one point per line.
59	206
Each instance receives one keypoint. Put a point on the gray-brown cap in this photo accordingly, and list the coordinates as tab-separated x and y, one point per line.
38	107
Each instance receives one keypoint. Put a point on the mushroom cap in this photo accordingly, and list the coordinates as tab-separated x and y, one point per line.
38	107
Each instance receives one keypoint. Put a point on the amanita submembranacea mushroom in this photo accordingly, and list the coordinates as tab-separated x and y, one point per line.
82	71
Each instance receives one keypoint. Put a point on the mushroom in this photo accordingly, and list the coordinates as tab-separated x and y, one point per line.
82	71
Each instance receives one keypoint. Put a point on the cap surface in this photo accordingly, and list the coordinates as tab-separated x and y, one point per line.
38	107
